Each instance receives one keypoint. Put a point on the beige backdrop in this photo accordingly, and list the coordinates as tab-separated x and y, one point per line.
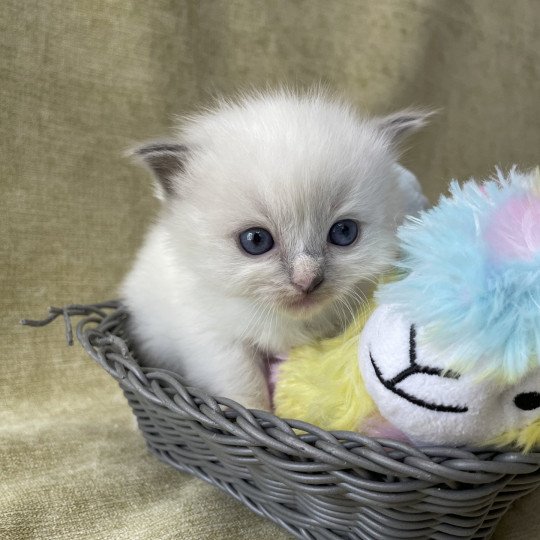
81	81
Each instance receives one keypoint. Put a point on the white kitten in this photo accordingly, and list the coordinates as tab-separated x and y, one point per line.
277	213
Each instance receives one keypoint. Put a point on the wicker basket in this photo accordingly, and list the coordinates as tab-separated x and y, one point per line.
323	485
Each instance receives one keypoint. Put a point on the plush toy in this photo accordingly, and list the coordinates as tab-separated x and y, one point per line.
451	353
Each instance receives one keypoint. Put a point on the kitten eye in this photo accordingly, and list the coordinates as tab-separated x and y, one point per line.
343	233
256	241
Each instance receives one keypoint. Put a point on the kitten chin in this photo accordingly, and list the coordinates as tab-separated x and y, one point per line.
278	213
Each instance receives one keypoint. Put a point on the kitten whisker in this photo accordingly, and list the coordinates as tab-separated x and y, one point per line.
343	321
364	303
247	327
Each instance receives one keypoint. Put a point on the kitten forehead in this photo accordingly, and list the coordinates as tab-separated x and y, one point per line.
267	126
276	152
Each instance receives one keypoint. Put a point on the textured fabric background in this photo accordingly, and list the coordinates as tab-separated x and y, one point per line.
81	81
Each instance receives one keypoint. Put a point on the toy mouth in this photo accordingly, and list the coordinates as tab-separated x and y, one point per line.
414	369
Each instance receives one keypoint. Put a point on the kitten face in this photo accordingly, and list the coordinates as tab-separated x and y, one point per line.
293	167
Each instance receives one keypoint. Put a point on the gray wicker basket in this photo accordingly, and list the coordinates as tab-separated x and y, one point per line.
320	485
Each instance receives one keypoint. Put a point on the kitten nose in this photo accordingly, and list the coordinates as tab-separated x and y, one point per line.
306	274
308	285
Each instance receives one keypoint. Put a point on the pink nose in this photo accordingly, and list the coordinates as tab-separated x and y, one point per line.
308	284
306	272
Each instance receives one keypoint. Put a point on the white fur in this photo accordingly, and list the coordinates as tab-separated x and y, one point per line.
293	165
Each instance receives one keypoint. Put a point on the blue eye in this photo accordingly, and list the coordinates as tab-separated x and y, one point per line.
256	241
343	233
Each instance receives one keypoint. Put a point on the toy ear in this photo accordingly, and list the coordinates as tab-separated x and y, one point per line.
166	160
403	123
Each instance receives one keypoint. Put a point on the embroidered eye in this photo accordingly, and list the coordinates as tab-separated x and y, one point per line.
256	241
527	401
343	233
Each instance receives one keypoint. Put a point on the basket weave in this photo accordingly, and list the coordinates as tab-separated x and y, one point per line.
319	485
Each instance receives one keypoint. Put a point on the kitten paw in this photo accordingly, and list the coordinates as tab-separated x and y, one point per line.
259	403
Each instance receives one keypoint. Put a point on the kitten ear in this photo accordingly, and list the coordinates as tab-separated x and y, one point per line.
165	160
403	123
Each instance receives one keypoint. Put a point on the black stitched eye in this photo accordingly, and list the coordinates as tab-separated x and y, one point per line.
343	233
256	241
527	401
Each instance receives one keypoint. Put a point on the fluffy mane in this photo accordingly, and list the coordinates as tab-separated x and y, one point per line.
472	275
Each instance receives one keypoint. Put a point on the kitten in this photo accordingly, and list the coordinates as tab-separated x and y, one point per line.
278	211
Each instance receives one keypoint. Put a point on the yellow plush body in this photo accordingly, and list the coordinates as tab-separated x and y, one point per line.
322	384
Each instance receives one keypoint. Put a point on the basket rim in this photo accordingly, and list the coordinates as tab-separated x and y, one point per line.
273	440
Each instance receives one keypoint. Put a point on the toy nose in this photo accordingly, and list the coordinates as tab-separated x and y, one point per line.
527	401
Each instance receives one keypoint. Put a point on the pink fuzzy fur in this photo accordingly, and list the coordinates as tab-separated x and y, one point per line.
514	230
377	426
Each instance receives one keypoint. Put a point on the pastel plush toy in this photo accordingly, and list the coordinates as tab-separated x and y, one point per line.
451	354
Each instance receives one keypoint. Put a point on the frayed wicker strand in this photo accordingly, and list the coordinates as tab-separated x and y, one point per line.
318	485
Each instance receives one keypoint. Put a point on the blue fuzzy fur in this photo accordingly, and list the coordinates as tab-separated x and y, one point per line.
479	315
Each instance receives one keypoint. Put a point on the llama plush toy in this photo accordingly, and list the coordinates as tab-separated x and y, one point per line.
451	353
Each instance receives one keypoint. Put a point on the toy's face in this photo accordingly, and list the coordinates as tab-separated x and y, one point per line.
429	402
